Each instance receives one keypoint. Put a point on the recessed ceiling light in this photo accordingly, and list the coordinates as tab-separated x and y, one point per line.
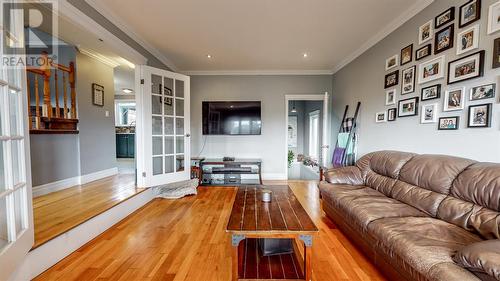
209	56
305	55
127	91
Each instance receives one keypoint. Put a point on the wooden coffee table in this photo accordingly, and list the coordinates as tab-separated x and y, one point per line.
283	217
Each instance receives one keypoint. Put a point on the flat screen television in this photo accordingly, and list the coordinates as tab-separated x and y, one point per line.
231	118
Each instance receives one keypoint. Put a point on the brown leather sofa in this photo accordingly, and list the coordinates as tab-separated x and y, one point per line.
420	217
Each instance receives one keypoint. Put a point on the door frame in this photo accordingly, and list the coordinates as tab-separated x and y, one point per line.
325	138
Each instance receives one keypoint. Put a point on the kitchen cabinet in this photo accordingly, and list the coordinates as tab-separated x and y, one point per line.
125	145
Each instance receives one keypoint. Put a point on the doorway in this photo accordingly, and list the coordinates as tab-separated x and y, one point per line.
306	146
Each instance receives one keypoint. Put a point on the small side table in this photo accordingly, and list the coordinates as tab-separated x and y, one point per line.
196	168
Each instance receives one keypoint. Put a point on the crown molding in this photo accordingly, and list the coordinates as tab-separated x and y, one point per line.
116	20
257	72
392	26
97	56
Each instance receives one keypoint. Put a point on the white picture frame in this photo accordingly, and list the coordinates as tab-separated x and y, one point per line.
381	117
424	68
454	99
429	113
425	32
390	97
493	15
468	39
408	80
392	62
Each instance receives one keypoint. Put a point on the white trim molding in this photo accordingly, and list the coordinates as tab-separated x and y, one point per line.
393	25
70	182
257	72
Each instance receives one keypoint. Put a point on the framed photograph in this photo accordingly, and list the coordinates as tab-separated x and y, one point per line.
479	116
469	67
381	117
391	114
423	52
407	54
392	62
431	70
496	53
408	107
454	99
444	39
408	83
429	113
431	92
391	79
449	123
97	94
425	32
444	18
390	97
482	92
468	40
469	13
494	18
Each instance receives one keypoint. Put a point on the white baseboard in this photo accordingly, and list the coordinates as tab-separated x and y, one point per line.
98	175
274	176
67	183
47	255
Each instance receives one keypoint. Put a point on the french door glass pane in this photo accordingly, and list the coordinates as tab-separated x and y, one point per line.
157	165
156	84
157	125
169	86
156	104
13	105
168	106
157	145
4	238
169	126
179	107
2	172
169	164
179	88
180	163
169	145
18	210
179	126
179	147
16	163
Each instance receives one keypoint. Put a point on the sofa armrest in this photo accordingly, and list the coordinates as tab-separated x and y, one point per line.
345	175
482	257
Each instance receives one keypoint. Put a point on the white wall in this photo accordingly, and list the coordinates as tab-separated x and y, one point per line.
362	80
271	90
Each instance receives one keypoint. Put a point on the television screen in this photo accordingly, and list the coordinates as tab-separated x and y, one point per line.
231	118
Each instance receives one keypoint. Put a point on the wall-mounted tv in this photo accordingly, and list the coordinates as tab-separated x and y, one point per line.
231	117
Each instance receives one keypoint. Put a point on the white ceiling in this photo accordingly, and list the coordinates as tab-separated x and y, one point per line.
259	35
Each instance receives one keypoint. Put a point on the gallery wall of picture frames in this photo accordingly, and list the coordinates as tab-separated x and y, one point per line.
435	37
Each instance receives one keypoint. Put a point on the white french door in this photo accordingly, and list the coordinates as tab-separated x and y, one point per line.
16	207
163	124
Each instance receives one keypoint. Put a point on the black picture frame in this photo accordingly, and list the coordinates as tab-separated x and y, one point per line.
477	14
395	110
488	115
414	68
429	52
480	72
97	94
415	111
438	96
451	28
457	123
452	18
496	54
388	85
410	52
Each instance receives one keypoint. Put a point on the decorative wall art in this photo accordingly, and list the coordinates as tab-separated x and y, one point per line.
496	53
390	97
494	18
449	123
454	99
444	18
431	92
429	113
431	70
479	116
469	13
425	32
423	52
380	117
408	107
444	39
391	79
392	62
391	114
97	94
407	54
482	92
469	67
292	131
468	39
408	80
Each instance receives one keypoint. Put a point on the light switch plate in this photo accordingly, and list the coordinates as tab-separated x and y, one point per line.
107	113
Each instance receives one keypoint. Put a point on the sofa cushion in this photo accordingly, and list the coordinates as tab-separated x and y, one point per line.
422	242
425	200
336	193
483	257
344	175
452	271
388	163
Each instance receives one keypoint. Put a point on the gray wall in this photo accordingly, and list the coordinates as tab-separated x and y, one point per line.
97	131
271	90
362	80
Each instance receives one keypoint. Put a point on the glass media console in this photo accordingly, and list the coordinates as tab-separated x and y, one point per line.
217	172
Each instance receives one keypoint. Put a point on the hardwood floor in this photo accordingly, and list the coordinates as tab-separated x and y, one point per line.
60	211
185	239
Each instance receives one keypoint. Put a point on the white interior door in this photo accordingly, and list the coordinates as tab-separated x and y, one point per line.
163	127
16	207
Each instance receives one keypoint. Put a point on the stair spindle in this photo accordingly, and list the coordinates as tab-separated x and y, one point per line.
57	94
65	97
37	102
